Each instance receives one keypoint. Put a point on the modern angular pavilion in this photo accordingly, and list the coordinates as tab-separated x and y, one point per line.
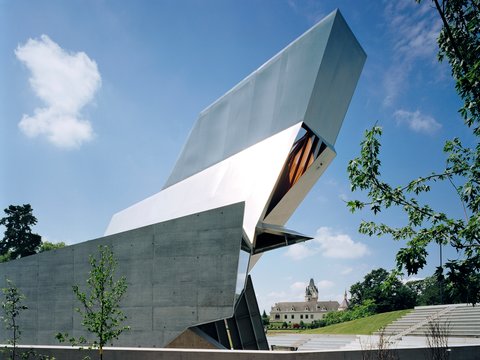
250	159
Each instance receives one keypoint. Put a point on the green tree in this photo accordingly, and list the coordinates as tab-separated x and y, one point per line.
12	308
429	291
47	246
18	240
367	308
265	319
385	291
100	310
459	44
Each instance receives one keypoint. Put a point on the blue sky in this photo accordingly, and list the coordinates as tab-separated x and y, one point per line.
135	75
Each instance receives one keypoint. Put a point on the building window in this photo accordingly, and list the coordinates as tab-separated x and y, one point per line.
311	316
293	316
285	316
301	316
277	316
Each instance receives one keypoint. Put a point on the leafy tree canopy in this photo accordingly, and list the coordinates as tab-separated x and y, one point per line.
459	44
385	291
429	291
18	240
47	246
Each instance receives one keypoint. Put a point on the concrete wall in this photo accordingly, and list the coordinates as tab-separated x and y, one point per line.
456	353
180	273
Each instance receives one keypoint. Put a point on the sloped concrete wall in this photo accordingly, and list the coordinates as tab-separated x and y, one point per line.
180	273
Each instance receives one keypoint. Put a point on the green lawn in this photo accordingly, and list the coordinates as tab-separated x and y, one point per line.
364	326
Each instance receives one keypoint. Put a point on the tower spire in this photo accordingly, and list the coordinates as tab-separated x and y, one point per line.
311	292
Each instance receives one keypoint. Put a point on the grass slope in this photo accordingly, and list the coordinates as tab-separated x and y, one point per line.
364	326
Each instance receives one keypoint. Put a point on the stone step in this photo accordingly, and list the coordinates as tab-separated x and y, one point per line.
455	318
472	331
311	342
450	325
455	326
458	319
453	333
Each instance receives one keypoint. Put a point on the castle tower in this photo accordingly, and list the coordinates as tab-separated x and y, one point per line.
345	303
311	292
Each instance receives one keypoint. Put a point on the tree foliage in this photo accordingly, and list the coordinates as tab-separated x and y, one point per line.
265	319
100	310
47	246
357	311
18	240
459	44
386	292
12	307
429	291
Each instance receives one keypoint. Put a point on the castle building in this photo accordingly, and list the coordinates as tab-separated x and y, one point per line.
345	303
307	311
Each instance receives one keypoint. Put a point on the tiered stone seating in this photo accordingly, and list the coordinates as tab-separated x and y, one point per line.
328	342
303	342
419	314
462	322
458	320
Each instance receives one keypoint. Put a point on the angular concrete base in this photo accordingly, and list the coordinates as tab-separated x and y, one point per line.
180	273
191	339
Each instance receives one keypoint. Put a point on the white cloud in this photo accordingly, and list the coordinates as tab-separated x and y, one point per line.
295	292
301	286
298	285
312	10
417	121
416	38
298	252
339	246
66	82
292	4
325	284
329	244
413	29
346	271
394	82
